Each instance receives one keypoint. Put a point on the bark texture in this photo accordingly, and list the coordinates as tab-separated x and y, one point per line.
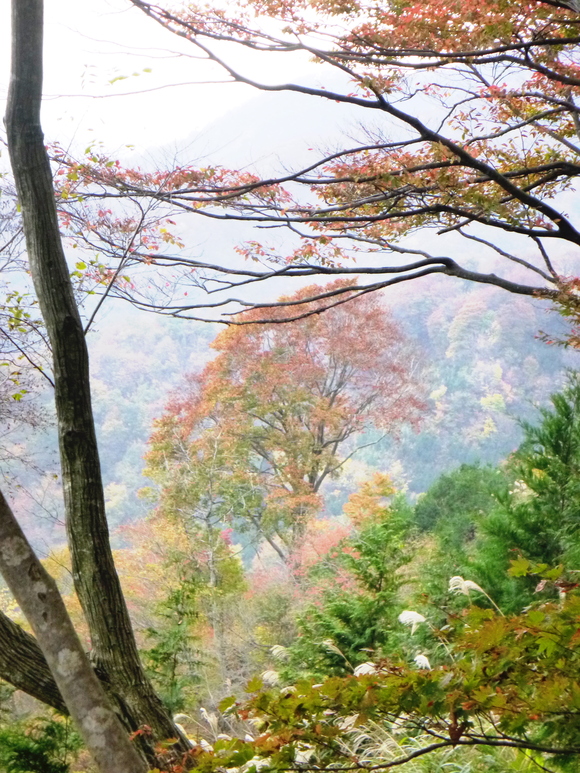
96	581
23	665
38	597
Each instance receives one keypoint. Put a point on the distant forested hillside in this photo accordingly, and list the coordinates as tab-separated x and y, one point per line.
486	368
489	369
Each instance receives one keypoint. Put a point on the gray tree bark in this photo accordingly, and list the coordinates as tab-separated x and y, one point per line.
96	582
38	597
23	665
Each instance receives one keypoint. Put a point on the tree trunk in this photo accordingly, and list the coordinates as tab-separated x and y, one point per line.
23	665
39	598
96	581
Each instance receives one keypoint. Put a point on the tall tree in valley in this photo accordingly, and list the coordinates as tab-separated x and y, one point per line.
279	411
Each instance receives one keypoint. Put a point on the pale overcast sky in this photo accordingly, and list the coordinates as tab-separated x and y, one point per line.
89	44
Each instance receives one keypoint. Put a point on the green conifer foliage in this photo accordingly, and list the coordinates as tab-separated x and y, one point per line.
456	500
41	746
539	516
357	613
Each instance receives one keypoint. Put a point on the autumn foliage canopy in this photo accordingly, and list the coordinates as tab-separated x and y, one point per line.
280	409
468	125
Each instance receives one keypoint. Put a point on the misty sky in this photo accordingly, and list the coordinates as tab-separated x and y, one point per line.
88	45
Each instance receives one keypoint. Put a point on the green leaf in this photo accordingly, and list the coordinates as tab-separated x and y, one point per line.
547	644
255	684
227	703
520	567
536	617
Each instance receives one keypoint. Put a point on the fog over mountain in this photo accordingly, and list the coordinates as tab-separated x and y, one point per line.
485	365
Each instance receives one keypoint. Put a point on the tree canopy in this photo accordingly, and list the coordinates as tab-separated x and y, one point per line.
279	410
470	130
